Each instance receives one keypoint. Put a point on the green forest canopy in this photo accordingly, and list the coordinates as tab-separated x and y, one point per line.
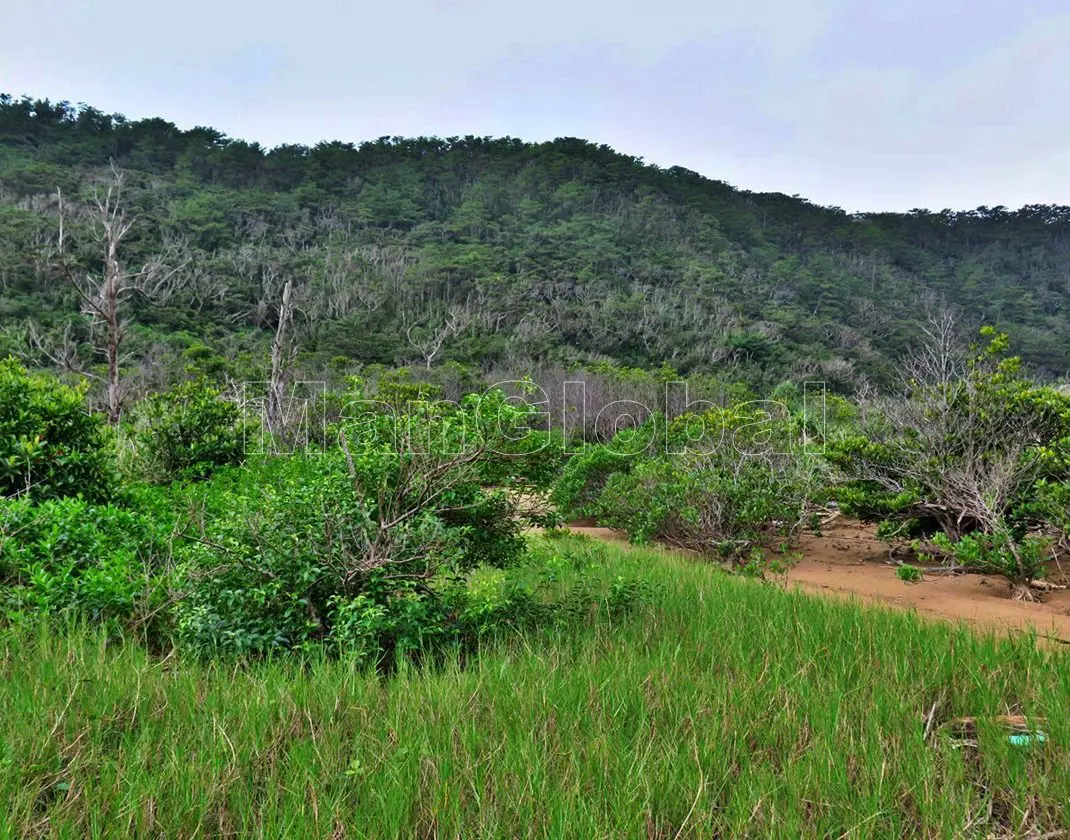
514	254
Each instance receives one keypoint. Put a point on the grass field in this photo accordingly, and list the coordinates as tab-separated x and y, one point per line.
726	707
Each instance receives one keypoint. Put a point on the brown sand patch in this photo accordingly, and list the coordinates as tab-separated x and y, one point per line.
848	560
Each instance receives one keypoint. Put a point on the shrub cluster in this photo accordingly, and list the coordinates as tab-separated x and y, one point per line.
976	454
725	482
100	561
404	532
403	538
51	446
188	432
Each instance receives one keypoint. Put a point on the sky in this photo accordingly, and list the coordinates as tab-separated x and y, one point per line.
862	105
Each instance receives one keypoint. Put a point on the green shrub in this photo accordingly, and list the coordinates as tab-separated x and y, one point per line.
690	504
67	555
908	573
51	446
188	432
362	546
586	474
1020	559
288	569
724	482
267	569
382	624
584	478
1049	511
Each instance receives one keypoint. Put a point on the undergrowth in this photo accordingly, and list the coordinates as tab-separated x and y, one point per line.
725	707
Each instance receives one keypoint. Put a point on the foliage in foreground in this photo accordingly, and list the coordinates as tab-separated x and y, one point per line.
731	709
405	538
51	446
104	562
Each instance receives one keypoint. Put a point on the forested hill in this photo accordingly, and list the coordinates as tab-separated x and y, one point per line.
501	254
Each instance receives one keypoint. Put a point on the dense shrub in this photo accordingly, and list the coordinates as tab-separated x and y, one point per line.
70	556
51	446
725	482
289	569
361	545
585	475
688	504
252	573
272	565
188	432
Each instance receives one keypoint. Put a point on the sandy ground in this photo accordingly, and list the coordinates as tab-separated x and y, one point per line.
848	561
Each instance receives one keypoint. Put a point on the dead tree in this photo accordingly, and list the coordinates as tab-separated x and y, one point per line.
430	341
940	360
283	295
283	353
347	281
970	456
105	295
961	444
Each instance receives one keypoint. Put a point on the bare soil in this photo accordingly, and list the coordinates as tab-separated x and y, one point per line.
847	560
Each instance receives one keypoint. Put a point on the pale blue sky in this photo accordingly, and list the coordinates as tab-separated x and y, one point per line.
892	105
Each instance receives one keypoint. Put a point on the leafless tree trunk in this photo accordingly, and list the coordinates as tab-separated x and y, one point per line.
104	296
283	298
282	355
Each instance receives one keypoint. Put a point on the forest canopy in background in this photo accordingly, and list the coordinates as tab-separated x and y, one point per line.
502	255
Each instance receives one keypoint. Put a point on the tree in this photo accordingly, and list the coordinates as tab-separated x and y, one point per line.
283	351
105	295
578	253
428	338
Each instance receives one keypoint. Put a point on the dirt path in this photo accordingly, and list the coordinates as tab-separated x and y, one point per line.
847	561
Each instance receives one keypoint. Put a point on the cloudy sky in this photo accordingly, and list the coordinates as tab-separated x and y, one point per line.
865	105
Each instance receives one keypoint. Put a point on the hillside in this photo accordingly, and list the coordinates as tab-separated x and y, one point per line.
504	254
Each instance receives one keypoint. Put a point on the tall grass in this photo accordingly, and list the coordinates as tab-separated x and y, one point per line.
728	708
